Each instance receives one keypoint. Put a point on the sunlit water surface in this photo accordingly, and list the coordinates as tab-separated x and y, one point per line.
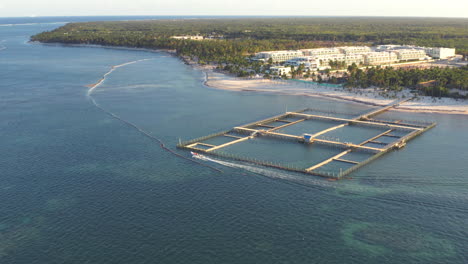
78	186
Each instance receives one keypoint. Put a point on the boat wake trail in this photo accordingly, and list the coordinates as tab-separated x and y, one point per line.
309	182
130	124
346	189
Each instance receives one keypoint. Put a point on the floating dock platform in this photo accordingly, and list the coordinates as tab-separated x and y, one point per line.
393	134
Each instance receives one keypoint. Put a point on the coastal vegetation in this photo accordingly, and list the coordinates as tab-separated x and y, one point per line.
441	79
242	36
229	42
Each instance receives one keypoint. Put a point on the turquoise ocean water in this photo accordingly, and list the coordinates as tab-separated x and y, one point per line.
78	186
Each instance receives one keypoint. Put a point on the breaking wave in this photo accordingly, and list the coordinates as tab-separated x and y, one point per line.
113	68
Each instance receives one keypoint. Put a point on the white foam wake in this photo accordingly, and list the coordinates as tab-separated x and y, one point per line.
271	173
113	68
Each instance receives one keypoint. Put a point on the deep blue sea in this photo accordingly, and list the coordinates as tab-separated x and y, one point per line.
79	186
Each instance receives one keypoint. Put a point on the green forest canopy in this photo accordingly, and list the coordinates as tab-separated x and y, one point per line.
237	38
244	36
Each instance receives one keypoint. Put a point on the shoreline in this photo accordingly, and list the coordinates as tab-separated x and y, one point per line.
168	51
222	81
370	96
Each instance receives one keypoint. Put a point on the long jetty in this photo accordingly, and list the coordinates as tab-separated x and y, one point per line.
269	128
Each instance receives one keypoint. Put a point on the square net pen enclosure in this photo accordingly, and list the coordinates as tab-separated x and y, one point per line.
311	141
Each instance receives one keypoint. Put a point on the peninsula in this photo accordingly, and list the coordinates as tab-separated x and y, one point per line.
361	59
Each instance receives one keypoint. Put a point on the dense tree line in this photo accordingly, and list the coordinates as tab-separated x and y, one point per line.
231	41
394	79
248	35
213	50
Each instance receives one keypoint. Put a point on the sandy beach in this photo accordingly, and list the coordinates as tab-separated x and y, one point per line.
369	96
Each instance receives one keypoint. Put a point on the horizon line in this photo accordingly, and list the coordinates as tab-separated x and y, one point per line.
253	16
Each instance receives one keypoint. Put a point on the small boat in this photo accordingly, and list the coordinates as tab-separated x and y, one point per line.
197	155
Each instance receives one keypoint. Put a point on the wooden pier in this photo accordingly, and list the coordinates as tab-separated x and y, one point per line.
267	128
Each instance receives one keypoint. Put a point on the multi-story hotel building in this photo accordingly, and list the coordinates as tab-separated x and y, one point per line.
380	58
324	60
355	49
383	54
410	54
279	56
188	37
320	51
440	53
436	53
280	70
309	62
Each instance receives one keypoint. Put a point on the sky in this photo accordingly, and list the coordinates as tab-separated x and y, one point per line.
426	8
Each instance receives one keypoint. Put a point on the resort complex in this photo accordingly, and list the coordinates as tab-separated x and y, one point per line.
321	58
188	37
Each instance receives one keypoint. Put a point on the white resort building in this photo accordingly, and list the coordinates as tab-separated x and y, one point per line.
320	51
394	47
348	59
440	53
436	53
355	49
380	58
188	37
279	56
280	70
380	55
310	63
410	54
